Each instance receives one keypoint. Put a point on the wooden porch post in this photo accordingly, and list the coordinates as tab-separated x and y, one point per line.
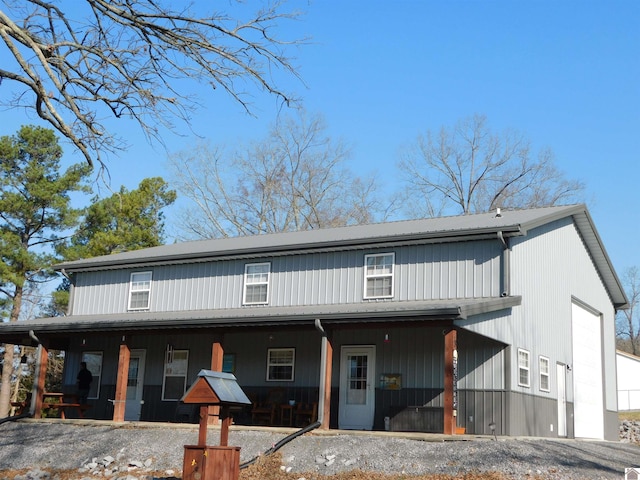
450	387
217	353
41	375
120	400
326	361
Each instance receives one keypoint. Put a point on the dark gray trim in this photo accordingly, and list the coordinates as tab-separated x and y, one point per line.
263	316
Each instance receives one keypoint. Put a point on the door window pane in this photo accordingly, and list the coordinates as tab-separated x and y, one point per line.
357	379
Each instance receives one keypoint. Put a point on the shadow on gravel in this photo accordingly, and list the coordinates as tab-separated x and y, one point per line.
584	457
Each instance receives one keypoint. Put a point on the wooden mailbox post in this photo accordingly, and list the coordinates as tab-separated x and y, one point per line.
203	462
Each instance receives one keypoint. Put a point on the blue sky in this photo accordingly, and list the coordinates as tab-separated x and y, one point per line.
566	74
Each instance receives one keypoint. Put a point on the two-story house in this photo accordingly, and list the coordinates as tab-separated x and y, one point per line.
500	322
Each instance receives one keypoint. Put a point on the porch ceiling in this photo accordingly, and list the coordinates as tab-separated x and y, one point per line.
381	311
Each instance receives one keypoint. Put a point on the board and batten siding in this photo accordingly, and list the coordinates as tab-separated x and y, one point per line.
422	272
551	269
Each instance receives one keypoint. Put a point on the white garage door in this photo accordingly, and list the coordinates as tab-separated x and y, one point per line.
588	407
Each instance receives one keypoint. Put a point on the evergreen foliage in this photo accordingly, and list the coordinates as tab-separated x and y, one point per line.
35	214
127	220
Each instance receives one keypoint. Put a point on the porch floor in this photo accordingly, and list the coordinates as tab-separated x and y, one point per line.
214	429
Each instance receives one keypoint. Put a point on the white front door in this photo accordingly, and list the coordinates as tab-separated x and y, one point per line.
357	389
562	399
135	385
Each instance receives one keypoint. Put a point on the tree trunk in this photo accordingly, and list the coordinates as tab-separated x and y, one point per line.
16	386
7	370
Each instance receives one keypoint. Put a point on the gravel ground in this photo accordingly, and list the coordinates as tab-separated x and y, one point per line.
29	444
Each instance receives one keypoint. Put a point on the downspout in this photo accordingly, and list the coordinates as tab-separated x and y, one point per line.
506	266
323	369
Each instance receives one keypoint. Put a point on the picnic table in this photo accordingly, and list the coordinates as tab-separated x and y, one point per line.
61	402
22	406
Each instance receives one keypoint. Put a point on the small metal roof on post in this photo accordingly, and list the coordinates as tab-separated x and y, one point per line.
202	462
216	388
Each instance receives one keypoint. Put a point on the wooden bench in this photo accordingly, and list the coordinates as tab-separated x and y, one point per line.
80	408
21	407
63	401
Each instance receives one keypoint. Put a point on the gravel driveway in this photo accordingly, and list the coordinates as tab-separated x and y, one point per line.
70	445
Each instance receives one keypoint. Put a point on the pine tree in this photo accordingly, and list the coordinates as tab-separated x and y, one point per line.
35	212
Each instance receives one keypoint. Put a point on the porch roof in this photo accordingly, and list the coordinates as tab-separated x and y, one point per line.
383	311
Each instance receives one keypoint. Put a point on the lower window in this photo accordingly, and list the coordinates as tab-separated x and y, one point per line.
94	365
174	383
280	364
523	368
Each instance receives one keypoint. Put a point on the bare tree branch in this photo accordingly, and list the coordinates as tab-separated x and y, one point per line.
469	169
295	179
129	59
628	321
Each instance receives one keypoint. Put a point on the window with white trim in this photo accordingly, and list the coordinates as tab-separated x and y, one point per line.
94	365
256	283
543	364
523	368
174	381
378	275
280	364
139	290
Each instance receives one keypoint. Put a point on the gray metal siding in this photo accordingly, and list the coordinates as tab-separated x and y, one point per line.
250	349
532	415
422	272
481	363
549	269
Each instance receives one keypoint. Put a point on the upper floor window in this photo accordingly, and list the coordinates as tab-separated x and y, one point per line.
139	291
378	275
523	368
256	283
544	374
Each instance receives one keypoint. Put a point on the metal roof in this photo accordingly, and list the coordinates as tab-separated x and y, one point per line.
441	229
224	385
515	222
258	316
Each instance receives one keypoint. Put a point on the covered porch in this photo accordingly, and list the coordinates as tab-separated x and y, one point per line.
134	356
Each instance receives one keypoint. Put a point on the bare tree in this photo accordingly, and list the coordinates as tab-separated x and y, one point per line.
470	169
130	58
294	179
628	321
